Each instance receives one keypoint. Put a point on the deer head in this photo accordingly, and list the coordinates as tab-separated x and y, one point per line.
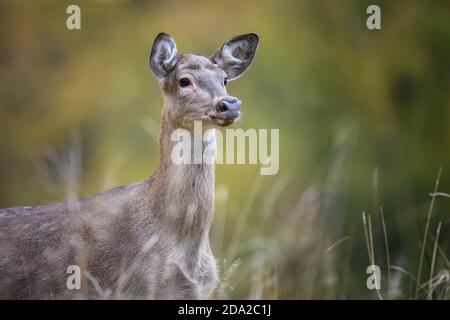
194	86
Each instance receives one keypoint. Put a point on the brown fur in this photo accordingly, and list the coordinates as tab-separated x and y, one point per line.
148	240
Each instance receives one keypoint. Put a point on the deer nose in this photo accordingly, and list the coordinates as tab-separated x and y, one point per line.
229	105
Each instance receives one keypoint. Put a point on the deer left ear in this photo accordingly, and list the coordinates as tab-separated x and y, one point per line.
236	55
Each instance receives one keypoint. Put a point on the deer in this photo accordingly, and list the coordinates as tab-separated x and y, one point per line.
148	240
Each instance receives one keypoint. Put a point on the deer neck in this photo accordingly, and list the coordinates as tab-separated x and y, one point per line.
187	190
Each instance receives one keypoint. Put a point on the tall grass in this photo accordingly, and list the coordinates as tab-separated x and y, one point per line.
292	262
275	249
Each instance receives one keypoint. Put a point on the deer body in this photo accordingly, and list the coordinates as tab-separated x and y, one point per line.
147	240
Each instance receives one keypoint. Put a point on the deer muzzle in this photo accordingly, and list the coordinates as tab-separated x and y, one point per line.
229	108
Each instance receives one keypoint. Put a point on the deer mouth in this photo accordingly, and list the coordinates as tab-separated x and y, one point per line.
227	118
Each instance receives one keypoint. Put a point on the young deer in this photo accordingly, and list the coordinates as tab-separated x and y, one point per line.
147	240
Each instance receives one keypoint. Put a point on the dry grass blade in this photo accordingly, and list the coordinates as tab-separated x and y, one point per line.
442	253
331	247
433	261
386	243
369	242
425	236
366	234
409	274
373	253
224	281
441	194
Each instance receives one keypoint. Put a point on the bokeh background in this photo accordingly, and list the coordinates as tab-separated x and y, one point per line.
363	118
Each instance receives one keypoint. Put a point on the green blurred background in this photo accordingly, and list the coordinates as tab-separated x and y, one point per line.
363	118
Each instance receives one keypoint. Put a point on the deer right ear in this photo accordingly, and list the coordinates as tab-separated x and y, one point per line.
163	55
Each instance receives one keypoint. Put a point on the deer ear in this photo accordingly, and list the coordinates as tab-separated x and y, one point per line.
163	55
236	55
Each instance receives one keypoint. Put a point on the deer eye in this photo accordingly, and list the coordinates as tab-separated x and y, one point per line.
184	82
225	81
